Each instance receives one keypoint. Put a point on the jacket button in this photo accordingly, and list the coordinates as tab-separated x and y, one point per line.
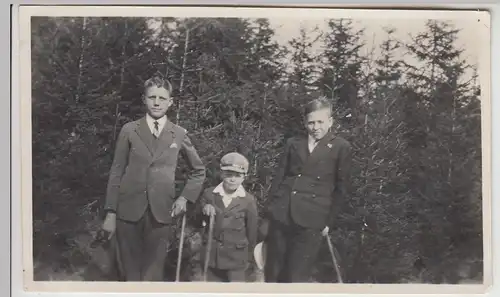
294	192
318	177
299	175
314	195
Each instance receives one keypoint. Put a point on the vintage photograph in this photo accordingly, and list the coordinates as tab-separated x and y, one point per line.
257	149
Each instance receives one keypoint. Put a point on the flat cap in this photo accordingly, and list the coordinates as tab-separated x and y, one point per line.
234	162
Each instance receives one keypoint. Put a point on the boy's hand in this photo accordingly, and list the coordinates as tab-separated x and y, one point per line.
209	210
109	224
179	206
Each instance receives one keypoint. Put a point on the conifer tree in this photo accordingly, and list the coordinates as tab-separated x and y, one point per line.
438	145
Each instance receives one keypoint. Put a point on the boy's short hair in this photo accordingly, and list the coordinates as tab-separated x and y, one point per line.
159	82
317	104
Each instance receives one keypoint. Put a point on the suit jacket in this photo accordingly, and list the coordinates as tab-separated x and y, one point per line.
311	188
143	171
235	230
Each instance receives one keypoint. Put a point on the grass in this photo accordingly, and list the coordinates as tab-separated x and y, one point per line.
73	259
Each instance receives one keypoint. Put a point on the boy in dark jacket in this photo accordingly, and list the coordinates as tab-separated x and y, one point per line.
234	212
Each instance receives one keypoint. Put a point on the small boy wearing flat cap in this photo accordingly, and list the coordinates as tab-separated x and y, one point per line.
235	216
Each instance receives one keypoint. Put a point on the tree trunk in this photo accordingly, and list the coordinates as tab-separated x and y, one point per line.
259	132
183	74
81	60
122	83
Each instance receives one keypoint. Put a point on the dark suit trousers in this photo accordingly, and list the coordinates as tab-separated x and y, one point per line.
291	253
142	248
224	275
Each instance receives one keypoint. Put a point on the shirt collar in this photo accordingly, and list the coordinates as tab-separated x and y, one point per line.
161	121
311	140
240	191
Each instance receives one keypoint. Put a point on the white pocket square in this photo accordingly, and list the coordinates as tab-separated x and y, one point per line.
329	145
173	145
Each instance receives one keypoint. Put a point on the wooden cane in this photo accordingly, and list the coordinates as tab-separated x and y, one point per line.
209	245
181	245
335	264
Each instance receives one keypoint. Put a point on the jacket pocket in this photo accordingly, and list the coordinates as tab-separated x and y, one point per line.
241	245
237	222
237	254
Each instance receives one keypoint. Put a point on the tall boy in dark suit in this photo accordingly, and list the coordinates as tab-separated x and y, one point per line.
307	194
140	199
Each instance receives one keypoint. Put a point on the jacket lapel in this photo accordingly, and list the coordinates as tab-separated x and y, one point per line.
165	139
302	149
321	149
219	207
235	202
145	134
218	202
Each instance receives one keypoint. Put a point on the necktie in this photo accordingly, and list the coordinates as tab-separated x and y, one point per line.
156	132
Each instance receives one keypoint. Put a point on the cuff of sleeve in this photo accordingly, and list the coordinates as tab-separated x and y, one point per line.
105	211
184	198
109	208
188	198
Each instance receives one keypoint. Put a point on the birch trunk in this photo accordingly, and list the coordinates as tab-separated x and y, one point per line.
259	133
183	74
122	83
81	61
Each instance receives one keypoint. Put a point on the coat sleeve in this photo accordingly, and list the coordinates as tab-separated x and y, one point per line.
196	176
118	167
281	170
204	200
252	218
342	184
207	198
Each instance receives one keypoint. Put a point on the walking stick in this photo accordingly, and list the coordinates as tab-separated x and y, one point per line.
181	244
209	245
335	264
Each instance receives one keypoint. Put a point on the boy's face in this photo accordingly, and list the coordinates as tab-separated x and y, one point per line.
318	123
157	101
232	180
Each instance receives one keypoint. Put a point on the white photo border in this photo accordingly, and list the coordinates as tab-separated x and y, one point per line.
21	157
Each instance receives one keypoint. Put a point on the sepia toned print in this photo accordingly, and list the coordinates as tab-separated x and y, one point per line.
363	137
